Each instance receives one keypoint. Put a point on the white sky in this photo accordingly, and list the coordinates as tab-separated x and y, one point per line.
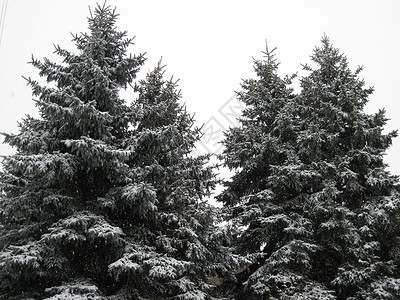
209	46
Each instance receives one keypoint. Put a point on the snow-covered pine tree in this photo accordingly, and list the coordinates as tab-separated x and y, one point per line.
174	249
270	233
316	210
55	241
355	210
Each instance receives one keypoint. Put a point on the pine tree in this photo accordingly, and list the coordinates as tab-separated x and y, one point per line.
315	208
53	230
174	249
357	224
103	200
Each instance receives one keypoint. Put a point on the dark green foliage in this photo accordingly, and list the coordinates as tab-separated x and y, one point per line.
103	200
174	248
53	230
314	205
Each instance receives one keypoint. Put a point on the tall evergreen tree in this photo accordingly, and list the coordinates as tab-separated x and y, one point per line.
317	211
174	249
53	231
103	200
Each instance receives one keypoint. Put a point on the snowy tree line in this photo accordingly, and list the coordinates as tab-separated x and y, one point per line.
104	198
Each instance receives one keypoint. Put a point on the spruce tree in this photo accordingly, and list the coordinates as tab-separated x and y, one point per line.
53	230
102	200
174	249
316	211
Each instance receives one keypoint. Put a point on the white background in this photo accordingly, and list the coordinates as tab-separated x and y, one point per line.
209	46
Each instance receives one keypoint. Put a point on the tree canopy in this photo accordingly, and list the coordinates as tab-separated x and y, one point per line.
314	206
103	199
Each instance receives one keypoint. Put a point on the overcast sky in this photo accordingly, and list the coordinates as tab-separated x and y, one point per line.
209	46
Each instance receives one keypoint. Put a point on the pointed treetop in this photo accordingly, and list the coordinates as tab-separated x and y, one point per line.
270	55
